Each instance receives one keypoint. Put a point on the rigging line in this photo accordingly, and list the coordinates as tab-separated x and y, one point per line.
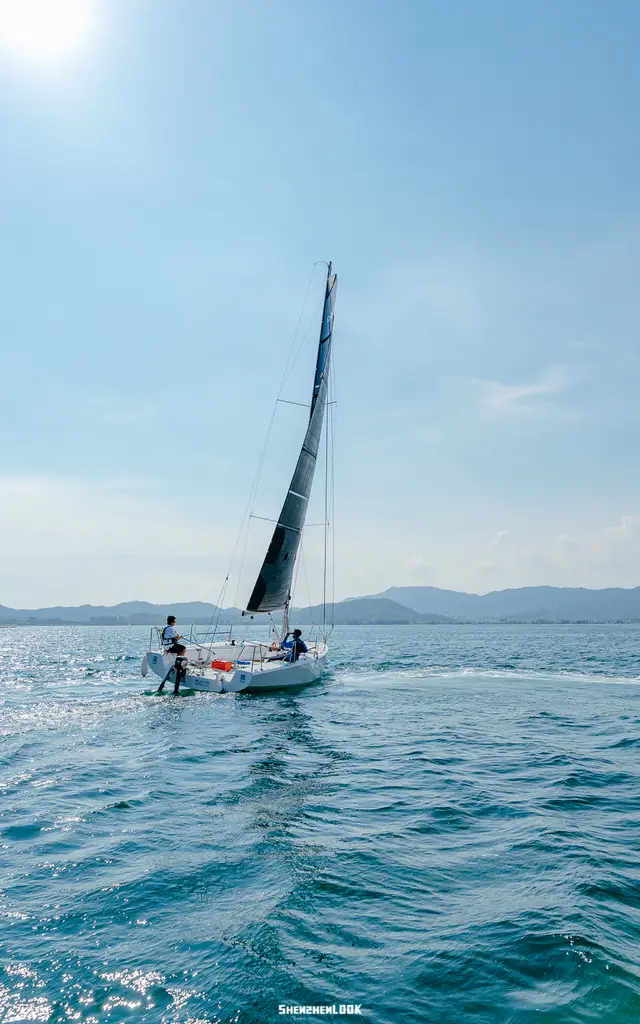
289	368
254	486
296	570
306	580
326	513
312	322
216	615
256	480
334	428
329	488
244	551
285	401
218	611
257	498
297	327
274	628
307	526
332	421
251	501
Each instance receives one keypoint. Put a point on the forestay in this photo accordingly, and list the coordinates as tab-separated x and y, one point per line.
273	585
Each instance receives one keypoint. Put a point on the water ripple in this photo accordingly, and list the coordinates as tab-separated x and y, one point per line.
444	829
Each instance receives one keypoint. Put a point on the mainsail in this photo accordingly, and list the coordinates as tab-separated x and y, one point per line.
273	585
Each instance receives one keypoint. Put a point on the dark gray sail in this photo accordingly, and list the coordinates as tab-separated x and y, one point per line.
273	586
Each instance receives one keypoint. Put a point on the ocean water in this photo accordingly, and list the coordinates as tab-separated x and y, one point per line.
446	829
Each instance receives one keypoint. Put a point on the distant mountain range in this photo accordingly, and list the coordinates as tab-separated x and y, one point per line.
525	604
140	613
367	611
396	605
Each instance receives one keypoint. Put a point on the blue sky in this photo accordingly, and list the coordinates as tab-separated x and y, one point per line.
165	189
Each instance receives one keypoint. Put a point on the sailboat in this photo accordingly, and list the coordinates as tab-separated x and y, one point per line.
248	665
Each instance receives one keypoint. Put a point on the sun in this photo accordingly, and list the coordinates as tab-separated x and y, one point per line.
45	31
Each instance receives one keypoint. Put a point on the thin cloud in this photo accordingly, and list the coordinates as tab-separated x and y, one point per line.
604	557
107	540
508	400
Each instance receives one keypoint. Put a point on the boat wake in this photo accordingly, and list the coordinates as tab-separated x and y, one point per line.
385	675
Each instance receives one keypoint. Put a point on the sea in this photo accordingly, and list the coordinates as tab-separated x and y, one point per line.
444	829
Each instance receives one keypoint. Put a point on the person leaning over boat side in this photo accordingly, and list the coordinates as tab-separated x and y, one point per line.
170	638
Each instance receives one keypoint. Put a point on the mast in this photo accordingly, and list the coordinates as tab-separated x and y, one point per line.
272	589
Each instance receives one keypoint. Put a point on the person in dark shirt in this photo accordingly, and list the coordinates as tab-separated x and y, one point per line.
295	647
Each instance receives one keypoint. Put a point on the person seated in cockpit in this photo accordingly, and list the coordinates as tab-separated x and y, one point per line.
292	649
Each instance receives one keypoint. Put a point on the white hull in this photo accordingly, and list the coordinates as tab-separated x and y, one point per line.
252	668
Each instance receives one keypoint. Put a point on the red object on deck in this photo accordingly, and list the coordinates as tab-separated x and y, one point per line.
224	666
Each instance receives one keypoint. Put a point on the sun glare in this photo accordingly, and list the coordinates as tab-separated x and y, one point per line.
45	30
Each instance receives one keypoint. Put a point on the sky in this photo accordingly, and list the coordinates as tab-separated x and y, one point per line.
172	172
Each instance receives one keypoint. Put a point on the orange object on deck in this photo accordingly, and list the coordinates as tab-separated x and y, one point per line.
223	666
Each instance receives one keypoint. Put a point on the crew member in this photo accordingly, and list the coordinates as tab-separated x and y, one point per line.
170	638
294	647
